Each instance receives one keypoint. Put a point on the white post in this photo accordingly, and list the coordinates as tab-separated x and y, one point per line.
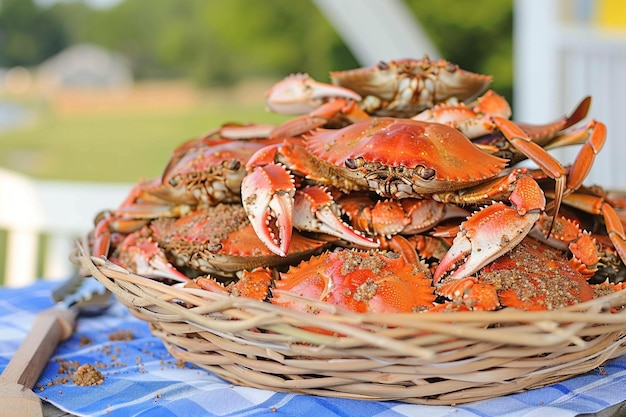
378	30
21	257
57	264
536	61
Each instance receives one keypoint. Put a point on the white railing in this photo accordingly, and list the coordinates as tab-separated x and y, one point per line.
59	210
558	61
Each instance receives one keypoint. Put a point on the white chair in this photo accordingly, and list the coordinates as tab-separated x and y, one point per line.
43	218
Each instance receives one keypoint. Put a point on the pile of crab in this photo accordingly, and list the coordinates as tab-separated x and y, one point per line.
395	188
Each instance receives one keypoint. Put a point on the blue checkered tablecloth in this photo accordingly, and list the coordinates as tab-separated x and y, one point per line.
142	379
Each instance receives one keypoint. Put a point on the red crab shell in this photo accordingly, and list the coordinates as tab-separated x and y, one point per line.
220	240
207	170
406	157
532	276
404	87
253	284
359	281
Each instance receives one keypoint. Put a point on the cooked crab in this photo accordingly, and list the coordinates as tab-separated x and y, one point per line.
403	158
532	276
203	171
360	281
217	240
403	88
398	88
475	120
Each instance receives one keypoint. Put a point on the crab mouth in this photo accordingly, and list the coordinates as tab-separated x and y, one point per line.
446	276
401	182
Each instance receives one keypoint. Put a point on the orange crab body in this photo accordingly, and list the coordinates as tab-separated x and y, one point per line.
398	88
401	158
359	281
372	281
208	170
404	87
201	172
378	161
212	240
220	240
532	276
397	159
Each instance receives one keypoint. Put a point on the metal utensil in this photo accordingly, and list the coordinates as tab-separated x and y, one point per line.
78	294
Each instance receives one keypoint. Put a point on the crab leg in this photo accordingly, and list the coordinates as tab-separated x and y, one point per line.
472	120
408	216
144	257
546	162
316	211
544	135
493	231
318	118
592	136
267	195
107	227
598	205
125	220
569	237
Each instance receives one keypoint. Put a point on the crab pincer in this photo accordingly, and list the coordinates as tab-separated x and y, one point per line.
316	211
299	93
267	195
493	231
316	102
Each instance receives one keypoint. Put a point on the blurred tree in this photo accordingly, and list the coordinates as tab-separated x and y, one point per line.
28	34
477	35
213	41
216	42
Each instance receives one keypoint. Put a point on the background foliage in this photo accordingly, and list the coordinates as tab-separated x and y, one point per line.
198	63
217	42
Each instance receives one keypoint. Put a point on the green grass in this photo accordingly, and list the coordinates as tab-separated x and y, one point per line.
113	146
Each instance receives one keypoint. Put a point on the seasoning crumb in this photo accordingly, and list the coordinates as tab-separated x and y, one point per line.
85	341
86	375
121	335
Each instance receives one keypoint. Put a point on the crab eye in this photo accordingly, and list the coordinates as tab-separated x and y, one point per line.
233	164
354	163
451	67
382	65
426	173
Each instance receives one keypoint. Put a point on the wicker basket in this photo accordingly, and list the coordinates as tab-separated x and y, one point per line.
431	358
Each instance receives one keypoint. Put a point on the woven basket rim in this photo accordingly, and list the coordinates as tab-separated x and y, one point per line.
219	332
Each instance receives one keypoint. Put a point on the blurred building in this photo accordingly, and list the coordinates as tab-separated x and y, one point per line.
85	66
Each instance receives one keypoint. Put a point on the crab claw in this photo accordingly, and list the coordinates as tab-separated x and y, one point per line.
300	94
316	211
143	255
486	235
267	196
